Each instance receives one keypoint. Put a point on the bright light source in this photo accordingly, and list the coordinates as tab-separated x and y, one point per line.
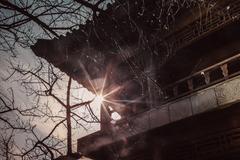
99	99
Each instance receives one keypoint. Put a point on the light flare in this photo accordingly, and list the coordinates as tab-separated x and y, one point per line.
115	116
101	96
99	99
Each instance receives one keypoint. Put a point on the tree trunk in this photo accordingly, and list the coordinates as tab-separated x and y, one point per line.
68	115
69	132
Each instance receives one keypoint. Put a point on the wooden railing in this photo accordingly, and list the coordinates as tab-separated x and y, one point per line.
222	15
209	22
211	75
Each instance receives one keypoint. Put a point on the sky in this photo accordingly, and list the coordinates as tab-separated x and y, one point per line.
25	56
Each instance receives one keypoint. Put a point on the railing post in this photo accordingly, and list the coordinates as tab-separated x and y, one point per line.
190	84
175	90
207	77
165	95
224	69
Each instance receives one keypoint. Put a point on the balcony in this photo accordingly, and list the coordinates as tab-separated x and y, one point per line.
212	21
204	78
224	14
213	88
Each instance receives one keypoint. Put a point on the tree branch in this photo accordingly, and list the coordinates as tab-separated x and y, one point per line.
32	17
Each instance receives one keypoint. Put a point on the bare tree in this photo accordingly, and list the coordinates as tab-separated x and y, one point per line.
22	22
41	82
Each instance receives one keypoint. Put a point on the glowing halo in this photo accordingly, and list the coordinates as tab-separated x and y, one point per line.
99	99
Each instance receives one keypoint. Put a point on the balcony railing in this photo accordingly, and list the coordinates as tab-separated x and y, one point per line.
209	76
209	22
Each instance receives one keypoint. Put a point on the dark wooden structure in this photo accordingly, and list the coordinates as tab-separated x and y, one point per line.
208	136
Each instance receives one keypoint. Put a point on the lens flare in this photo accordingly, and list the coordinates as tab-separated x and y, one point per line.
115	116
99	99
